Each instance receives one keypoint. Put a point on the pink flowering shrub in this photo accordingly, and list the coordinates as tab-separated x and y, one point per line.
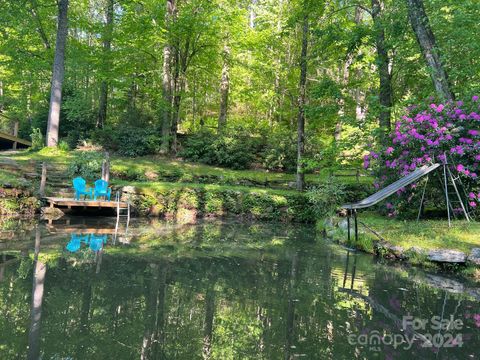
443	133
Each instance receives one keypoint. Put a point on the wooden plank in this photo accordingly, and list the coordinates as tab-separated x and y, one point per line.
79	230
84	203
14	139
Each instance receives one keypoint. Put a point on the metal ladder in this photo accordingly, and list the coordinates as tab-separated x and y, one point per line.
454	189
119	215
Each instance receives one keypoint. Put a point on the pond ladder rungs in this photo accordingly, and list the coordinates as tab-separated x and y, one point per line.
119	214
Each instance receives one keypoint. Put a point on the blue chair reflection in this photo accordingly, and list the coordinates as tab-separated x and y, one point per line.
97	242
76	241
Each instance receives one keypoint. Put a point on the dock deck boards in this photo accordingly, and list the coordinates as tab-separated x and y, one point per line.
4	137
72	203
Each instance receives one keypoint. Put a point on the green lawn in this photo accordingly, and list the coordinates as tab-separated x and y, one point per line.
155	186
12	179
163	168
426	234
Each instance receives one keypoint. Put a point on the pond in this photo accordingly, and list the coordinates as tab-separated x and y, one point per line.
78	289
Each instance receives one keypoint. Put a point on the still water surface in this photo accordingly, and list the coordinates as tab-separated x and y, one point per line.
73	289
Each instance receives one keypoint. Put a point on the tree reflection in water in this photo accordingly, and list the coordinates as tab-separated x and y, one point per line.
216	291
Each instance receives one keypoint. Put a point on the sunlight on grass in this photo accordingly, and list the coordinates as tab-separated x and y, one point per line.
427	234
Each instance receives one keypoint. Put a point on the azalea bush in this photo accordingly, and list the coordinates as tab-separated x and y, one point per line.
431	133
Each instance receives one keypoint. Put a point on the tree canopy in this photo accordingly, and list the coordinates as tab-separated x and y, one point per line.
158	70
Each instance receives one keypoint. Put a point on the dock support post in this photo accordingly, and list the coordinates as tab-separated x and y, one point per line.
348	226
43	180
356	225
15	133
346	268
354	270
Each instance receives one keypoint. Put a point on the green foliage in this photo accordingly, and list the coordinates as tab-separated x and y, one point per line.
280	152
77	117
235	150
170	200
130	140
87	164
326	198
63	146
38	141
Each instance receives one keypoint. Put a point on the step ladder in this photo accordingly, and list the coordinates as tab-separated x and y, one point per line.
455	193
120	215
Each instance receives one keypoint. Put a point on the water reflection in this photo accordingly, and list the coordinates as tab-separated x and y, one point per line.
39	273
93	241
216	291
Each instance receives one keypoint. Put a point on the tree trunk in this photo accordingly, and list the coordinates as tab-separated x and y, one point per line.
151	300
359	95
2	100
208	322
301	105
177	98
57	75
345	75
290	316
167	81
252	14
39	274
224	89
40	29
181	60
383	66
107	46
426	40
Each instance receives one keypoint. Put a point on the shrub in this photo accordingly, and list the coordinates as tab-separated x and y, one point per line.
198	147
326	198
280	152
38	141
444	133
130	140
234	151
87	164
63	146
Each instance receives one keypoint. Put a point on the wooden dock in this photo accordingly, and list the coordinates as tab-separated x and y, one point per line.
54	229
8	141
72	203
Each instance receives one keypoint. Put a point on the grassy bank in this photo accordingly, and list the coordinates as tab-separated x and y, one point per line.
173	188
415	239
425	234
157	168
186	202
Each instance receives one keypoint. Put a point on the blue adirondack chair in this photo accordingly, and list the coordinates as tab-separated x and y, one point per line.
97	241
102	189
80	187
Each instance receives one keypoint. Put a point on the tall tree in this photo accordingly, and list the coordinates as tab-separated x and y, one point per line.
40	28
107	46
224	88
426	39
302	100
167	78
57	74
383	67
252	16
